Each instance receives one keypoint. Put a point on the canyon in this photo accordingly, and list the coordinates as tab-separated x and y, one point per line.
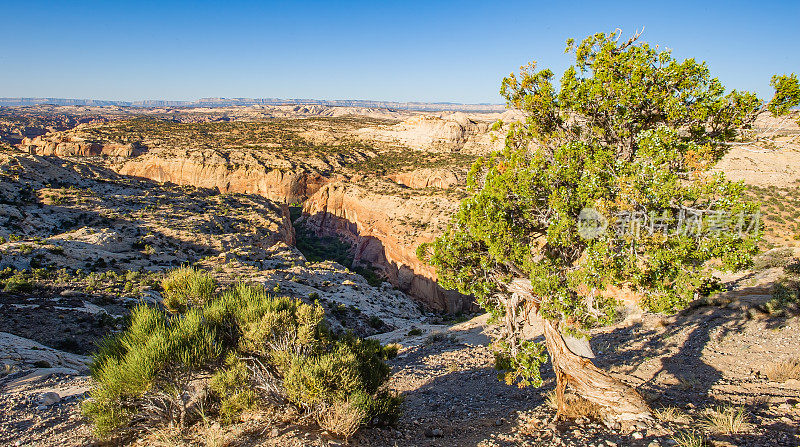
383	185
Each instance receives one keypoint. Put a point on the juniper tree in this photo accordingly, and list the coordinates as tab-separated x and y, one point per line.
605	188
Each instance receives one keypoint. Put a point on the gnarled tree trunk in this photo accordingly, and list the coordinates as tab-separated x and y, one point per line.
620	402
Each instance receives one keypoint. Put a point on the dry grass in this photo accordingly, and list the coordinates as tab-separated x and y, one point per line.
672	414
166	437
689	439
340	418
728	420
214	436
203	434
783	371
574	406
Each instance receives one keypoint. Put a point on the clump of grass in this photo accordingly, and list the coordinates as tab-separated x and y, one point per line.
185	287
783	371
689	439
728	420
340	418
672	414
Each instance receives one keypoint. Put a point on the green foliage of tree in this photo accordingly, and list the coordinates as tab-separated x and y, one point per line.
630	131
787	94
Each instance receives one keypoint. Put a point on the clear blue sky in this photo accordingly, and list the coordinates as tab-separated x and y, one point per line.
402	50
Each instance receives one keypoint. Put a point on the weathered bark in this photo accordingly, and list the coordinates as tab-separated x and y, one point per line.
621	402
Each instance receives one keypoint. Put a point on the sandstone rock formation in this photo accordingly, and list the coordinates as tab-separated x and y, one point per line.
240	173
445	132
385	230
61	145
428	178
80	215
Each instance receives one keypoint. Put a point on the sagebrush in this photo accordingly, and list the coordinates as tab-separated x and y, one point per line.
232	352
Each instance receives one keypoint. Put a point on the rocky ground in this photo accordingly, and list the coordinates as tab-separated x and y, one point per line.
709	355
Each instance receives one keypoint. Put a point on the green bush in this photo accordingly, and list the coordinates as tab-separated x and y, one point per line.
152	361
18	283
232	385
187	286
785	297
143	372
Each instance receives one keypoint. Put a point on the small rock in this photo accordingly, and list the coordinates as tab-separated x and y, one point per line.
433	433
49	398
499	422
637	435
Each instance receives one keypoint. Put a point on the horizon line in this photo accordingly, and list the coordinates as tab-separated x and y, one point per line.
45	100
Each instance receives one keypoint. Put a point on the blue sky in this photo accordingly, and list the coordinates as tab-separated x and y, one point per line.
403	50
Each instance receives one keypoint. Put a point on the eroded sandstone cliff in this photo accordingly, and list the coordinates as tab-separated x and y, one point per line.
239	172
64	145
385	230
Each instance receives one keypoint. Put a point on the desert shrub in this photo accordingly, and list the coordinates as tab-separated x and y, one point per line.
18	283
778	257
187	286
142	372
233	387
785	297
375	322
351	368
253	346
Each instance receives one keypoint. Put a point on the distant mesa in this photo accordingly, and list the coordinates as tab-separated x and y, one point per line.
229	102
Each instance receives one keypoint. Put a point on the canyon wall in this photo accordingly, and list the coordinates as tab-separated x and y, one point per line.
60	145
210	169
385	230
